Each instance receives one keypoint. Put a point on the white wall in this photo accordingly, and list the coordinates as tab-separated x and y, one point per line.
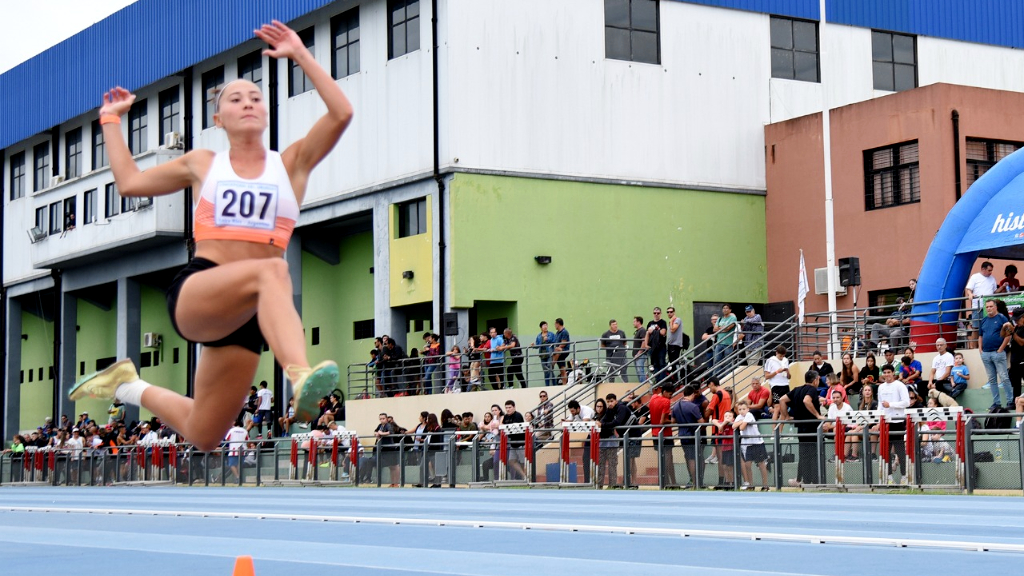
969	64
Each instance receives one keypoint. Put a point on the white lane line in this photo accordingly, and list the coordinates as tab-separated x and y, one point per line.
680	532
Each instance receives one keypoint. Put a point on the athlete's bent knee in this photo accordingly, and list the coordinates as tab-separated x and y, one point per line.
274	272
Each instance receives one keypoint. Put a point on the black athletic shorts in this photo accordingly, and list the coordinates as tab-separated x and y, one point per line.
248	336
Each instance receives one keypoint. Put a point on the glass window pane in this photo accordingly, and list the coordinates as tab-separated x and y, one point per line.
977	150
881	159
782	63
881	46
905	77
398	12
806	65
341	60
644	15
398	40
353	32
645	47
903	49
616	13
412	9
782	33
412	29
616	44
805	36
883	76
353	58
421	213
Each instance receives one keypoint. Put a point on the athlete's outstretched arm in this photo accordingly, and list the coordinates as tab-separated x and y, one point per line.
166	178
304	154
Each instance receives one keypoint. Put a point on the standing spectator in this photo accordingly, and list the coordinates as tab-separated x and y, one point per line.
979	285
894	400
706	348
431	360
475	355
753	333
516	442
660	406
454	361
776	372
262	416
544	342
674	336
759	400
115	412
1010	282
823	368
725	338
1017	352
235	439
719	402
614	343
393	375
942	366
496	361
561	350
578	413
515	353
751	446
639	415
802	404
608	451
723	429
994	335
387	442
687	413
639	351
895	326
655	343
411	377
545	414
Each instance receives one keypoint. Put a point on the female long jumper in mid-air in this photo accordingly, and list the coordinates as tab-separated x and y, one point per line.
236	292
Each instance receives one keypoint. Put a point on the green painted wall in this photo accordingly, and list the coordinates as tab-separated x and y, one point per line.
97	338
36	356
166	373
334	297
616	251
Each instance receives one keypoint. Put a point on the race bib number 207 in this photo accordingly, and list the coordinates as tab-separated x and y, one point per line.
246	204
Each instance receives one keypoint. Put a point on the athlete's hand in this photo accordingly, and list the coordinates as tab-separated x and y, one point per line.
117	102
283	41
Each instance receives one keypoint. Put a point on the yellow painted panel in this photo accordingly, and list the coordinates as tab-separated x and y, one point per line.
415	254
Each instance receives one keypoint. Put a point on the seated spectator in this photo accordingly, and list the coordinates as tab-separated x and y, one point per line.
333	411
545	414
915	400
849	376
895	327
910	372
823	368
1010	283
834	386
759	400
836	409
17	445
870	375
960	376
286	421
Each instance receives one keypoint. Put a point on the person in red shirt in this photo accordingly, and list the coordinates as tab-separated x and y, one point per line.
719	402
660	406
760	400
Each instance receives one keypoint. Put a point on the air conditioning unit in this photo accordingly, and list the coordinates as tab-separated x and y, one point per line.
151	340
821	281
144	202
35	234
173	141
56	180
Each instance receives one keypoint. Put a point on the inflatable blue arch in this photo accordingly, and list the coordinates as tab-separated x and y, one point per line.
987	221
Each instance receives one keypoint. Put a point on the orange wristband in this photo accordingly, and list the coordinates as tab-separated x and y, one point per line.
109	119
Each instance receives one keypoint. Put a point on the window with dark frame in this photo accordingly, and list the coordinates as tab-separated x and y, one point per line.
298	82
41	166
138	130
345	44
893	176
41	220
73	153
632	31
128	203
894	61
403	27
17	175
89	207
250	67
112	202
56	219
412	218
983	154
794	49
210	81
170	113
887	298
70	212
99	147
363	329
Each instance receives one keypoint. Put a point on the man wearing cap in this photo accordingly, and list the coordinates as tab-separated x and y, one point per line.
83	420
753	331
147	437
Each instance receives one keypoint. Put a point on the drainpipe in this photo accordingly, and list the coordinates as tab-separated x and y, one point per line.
279	385
188	133
57	314
3	301
441	246
956	154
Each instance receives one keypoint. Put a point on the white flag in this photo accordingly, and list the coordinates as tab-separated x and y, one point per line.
802	287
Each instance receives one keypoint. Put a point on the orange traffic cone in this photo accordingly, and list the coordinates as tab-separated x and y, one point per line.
243	567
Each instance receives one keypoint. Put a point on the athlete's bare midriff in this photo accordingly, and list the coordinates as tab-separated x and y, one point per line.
225	251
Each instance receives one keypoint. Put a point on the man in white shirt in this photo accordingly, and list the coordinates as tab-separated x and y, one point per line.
893	399
147	437
235	438
980	284
776	373
263	401
942	365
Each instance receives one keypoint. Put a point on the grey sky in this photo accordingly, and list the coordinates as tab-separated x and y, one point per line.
33	26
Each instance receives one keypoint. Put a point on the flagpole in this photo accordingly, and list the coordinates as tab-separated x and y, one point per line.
830	233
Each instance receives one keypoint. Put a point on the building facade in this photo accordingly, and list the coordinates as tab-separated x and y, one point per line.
622	139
